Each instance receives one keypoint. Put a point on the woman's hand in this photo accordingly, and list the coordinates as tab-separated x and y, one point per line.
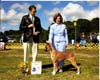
66	45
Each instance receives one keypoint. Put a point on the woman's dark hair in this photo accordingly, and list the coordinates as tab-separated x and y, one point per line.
32	6
55	17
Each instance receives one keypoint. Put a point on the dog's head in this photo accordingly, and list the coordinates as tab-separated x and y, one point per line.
48	46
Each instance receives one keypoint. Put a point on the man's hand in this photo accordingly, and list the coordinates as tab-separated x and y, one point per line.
31	25
36	33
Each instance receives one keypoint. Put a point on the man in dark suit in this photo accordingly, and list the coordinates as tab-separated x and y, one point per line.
31	28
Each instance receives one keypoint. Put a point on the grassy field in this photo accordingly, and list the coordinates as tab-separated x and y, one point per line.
88	59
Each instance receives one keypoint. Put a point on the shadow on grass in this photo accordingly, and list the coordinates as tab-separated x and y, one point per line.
47	65
4	49
68	67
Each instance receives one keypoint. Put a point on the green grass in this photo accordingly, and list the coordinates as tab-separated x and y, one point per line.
87	58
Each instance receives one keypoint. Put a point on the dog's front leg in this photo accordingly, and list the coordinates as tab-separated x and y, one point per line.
55	68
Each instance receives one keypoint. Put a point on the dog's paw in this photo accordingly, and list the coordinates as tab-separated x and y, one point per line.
27	70
53	73
78	72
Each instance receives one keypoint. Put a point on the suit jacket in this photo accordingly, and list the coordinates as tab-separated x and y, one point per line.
58	33
28	32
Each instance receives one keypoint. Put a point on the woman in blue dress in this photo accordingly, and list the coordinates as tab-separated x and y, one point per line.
58	36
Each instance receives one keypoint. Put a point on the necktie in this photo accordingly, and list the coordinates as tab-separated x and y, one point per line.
33	23
33	19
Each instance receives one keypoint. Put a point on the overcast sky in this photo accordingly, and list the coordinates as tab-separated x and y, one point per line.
12	11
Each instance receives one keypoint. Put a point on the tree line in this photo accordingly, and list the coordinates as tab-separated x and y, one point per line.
83	25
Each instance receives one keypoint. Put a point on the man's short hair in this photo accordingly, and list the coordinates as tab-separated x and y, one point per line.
32	6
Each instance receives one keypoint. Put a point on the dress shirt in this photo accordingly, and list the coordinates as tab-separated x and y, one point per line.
32	19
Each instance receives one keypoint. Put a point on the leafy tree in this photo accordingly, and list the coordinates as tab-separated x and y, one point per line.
43	35
94	25
83	25
15	34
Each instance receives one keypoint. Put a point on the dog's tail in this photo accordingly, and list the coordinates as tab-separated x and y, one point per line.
72	55
76	47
